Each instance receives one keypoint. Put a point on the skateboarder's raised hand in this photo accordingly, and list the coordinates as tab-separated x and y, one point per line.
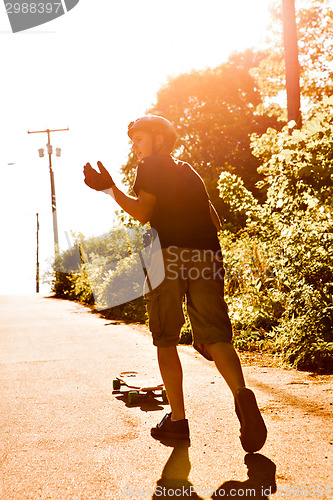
95	180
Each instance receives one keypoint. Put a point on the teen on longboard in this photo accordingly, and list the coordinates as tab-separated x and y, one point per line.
173	198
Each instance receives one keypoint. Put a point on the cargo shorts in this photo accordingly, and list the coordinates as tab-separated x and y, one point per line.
197	275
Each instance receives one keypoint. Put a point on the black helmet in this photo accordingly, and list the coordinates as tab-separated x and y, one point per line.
155	125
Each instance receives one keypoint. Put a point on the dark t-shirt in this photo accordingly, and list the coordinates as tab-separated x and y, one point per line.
181	215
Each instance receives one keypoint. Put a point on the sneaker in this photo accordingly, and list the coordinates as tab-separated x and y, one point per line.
167	429
253	430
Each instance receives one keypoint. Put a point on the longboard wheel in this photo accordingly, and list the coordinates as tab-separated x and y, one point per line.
164	396
116	384
132	396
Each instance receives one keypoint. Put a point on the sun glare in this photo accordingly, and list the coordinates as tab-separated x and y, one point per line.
102	81
194	35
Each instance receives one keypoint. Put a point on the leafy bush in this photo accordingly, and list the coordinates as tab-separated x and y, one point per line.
96	268
280	268
131	312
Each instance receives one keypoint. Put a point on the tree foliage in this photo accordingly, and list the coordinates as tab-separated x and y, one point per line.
99	269
298	167
293	229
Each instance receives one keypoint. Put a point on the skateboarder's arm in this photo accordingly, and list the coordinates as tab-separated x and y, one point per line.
141	208
214	216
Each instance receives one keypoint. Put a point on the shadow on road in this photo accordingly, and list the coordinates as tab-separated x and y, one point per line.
260	483
144	402
174	481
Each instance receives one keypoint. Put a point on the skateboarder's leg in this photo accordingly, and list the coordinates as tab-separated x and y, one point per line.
253	430
211	326
172	375
228	364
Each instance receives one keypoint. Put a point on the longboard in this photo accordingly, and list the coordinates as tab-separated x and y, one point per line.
139	385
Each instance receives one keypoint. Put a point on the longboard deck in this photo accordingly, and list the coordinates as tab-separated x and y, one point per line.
138	385
133	380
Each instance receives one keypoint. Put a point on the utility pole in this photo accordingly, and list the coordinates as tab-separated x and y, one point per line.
53	197
37	255
291	62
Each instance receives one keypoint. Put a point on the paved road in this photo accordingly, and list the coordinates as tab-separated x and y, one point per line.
64	435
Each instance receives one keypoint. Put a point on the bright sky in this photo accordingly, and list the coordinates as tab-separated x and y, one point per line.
93	70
